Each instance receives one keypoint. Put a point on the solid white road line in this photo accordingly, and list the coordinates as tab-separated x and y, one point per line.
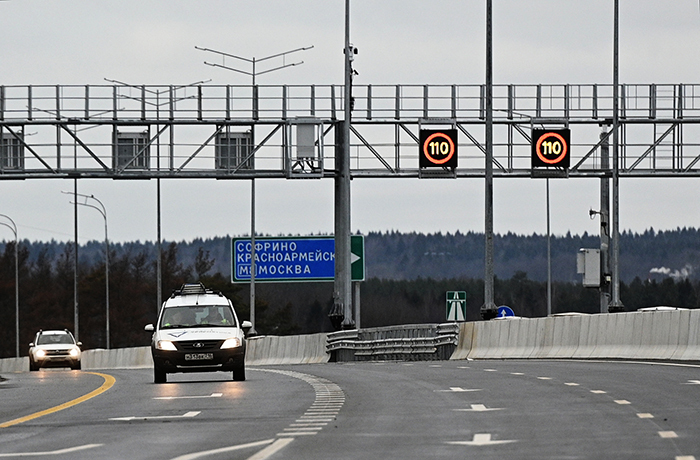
204	453
55	452
457	390
213	395
478	408
157	417
271	449
480	439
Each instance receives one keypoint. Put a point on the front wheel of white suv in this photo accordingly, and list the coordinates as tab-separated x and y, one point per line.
159	376
239	373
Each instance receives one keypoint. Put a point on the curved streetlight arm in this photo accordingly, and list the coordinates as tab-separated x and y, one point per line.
102	211
253	61
285	53
228	68
12	227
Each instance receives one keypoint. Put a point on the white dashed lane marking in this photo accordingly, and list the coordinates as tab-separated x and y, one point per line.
329	400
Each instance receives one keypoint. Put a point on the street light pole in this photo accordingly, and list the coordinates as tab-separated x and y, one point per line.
253	61
102	210
616	304
14	230
489	310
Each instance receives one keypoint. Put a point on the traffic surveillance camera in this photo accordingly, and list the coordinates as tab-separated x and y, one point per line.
353	50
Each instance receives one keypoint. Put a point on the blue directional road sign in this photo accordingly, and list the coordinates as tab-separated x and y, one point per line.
293	259
456	305
504	310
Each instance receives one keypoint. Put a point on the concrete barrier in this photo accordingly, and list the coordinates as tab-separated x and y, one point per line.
661	335
298	349
118	358
8	365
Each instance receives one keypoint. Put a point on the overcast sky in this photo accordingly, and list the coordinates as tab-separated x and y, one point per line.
78	42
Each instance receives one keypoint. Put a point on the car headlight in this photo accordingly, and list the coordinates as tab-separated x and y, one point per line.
165	345
231	343
74	352
40	353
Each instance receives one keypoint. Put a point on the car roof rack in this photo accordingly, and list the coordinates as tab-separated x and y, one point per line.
193	288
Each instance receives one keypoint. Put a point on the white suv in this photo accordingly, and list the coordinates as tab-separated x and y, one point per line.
54	349
198	331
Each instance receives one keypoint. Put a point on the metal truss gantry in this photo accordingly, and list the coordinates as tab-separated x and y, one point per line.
202	131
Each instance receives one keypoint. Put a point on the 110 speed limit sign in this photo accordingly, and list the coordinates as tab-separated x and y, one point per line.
551	148
438	148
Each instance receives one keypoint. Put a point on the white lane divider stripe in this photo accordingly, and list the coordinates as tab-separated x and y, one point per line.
457	390
55	452
157	417
213	395
271	449
478	408
480	439
220	450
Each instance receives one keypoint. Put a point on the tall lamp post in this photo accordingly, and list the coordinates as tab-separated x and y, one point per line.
489	309
616	304
13	227
253	73
102	210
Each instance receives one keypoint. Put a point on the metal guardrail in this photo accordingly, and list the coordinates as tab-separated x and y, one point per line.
418	342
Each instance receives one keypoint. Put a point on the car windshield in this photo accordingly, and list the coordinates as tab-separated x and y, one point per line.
197	316
50	339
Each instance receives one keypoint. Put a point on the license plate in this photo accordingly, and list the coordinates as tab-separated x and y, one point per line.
198	356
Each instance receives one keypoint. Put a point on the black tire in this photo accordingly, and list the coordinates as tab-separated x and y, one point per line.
33	366
239	373
76	366
159	376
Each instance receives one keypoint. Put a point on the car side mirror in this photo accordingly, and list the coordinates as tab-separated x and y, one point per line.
31	344
246	326
79	344
149	328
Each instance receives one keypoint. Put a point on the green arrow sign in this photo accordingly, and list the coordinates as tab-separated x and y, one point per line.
357	257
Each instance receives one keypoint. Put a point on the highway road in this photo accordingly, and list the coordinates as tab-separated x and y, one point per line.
391	410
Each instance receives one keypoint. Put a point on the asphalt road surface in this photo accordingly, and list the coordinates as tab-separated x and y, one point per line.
388	410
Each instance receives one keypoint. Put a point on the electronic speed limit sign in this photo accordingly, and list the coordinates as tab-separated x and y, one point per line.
438	148
550	148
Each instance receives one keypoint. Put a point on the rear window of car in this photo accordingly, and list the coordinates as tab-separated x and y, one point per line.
197	316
